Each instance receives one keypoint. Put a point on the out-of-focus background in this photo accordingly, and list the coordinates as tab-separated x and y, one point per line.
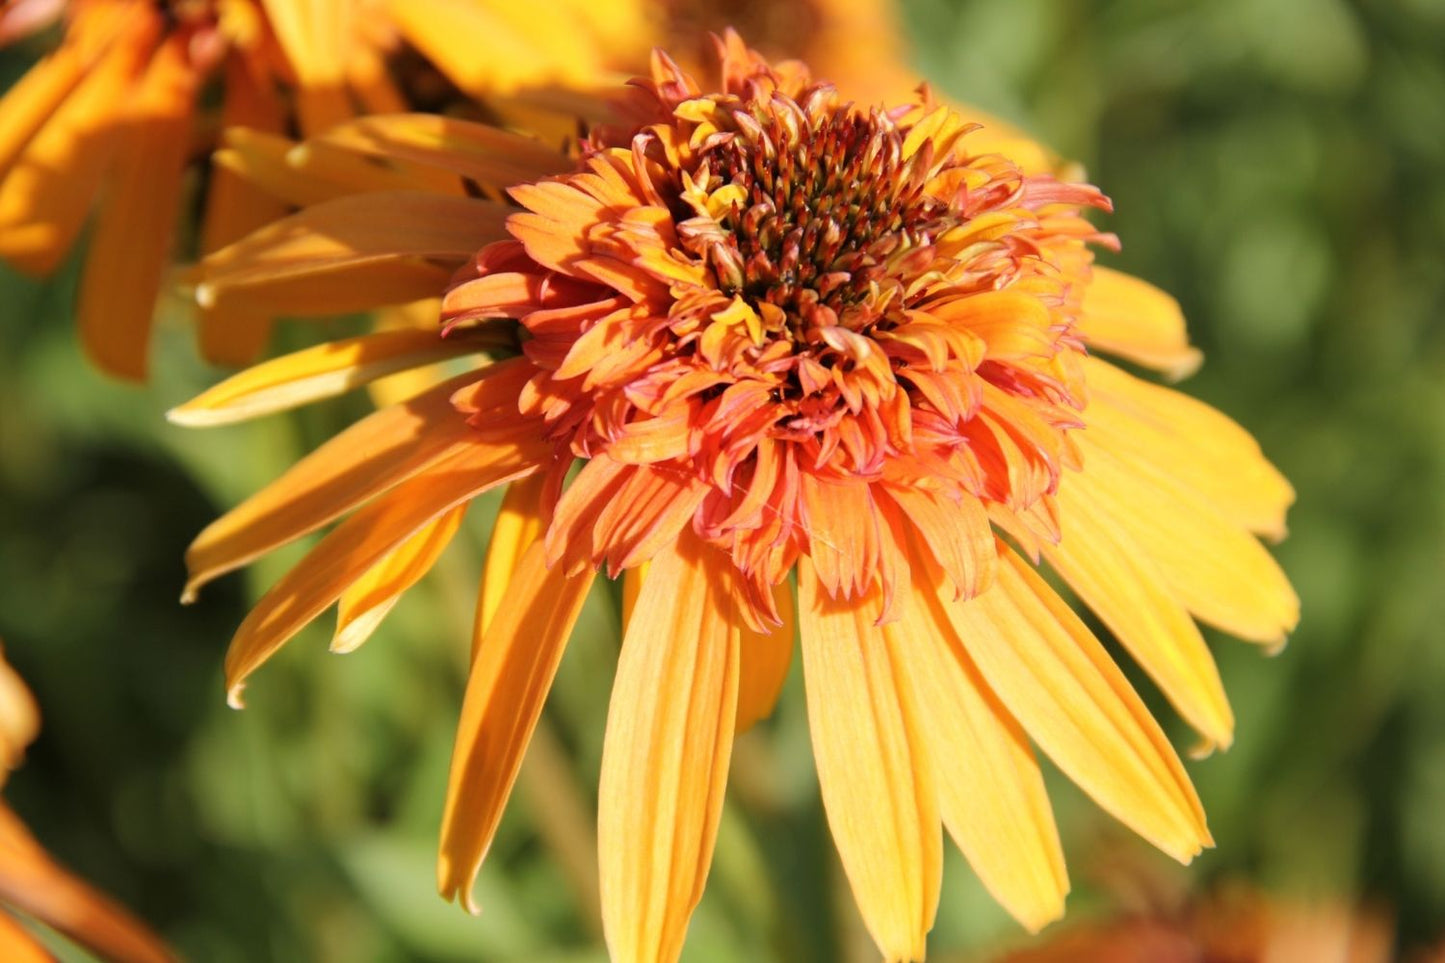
1279	165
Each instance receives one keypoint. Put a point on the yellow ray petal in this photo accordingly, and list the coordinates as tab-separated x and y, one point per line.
1072	700
1193	442
354	235
873	769
368	76
665	759
487	155
367	600
990	790
518	525
515	663
356	545
1221	573
324	371
131	238
525	45
35	884
1135	320
1113	576
315	36
765	660
374	454
48	191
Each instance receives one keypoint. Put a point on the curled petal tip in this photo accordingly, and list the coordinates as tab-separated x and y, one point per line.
460	893
1186	366
1208	746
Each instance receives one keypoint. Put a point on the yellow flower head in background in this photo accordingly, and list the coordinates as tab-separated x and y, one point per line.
780	337
110	120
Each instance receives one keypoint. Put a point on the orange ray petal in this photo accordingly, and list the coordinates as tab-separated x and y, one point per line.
1220	572
1113	576
34	99
347	170
1073	701
368	458
665	759
356	545
339	288
1135	320
235	207
487	155
131	238
765	660
264	159
48	191
873	769
34	883
518	525
632	580
990	789
352	236
329	369
367	600
513	670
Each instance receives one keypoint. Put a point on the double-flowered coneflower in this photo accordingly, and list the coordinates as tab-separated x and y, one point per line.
781	360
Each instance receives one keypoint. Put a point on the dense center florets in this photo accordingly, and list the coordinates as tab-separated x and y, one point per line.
821	208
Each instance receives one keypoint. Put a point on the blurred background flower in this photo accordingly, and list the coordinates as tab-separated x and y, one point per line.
1282	159
113	117
35	887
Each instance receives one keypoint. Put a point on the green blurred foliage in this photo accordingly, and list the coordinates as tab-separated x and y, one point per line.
1276	164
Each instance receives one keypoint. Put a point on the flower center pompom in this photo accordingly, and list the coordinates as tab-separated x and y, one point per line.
822	208
762	307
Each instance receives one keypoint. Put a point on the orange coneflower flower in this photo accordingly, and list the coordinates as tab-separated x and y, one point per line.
786	338
38	887
107	121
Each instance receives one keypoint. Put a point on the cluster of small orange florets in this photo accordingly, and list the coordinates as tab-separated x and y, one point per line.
771	313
